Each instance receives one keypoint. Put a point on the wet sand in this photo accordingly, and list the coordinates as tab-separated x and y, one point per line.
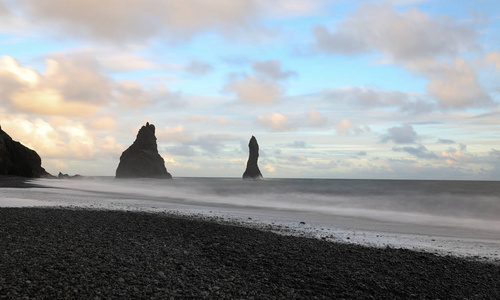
82	253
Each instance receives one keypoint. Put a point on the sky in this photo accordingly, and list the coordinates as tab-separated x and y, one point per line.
395	89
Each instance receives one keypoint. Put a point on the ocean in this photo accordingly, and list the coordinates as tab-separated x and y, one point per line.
448	217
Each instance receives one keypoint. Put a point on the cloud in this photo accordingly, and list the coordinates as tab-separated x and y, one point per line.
420	151
366	97
317	119
456	86
446	141
104	123
346	127
495	153
272	69
269	168
198	68
124	62
419	43
291	8
213	143
276	122
401	35
255	90
494	58
61	138
52	93
181	150
297	144
453	156
140	20
72	86
208	144
404	134
132	94
173	134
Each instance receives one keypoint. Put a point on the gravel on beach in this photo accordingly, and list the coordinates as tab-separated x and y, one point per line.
54	253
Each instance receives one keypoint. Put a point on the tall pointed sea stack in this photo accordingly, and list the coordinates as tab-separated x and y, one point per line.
19	160
141	159
252	171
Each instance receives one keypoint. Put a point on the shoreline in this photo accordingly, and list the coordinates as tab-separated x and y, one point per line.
61	252
478	245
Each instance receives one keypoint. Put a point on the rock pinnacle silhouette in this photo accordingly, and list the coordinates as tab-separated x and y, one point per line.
141	159
252	171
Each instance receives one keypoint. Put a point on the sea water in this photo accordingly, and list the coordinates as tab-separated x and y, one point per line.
457	217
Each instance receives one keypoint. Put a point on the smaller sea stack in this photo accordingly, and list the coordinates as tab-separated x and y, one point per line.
141	159
252	171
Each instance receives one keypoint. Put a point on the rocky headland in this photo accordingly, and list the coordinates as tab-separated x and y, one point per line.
252	171
141	159
18	160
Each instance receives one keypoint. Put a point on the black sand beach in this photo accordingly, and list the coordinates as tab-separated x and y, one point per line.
49	253
15	182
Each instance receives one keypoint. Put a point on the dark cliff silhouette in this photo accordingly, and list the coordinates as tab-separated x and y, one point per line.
142	159
18	160
252	171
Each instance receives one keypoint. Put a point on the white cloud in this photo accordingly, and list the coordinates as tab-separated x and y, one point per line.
290	8
125	62
104	123
170	134
255	90
420	43
133	95
494	58
61	138
269	168
346	127
140	20
73	86
456	86
276	122
317	119
402	36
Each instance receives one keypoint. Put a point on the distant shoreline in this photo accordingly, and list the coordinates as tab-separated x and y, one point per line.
70	253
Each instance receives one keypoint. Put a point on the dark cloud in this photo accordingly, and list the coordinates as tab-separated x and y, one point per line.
446	141
366	97
181	150
361	153
209	144
420	151
199	68
297	144
404	134
272	69
495	153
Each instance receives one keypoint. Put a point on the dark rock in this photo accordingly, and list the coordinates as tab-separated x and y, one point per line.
66	176
252	171
18	160
141	159
61	175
